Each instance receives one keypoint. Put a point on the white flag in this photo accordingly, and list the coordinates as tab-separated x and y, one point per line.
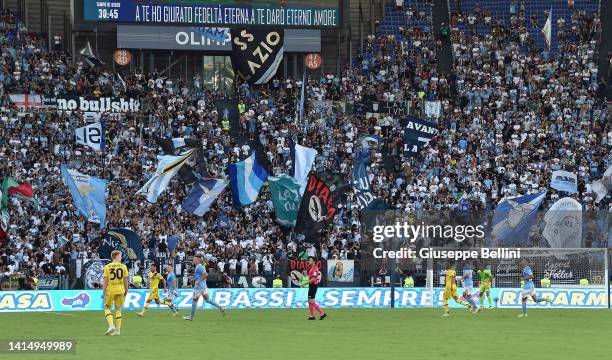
303	158
599	188
168	166
547	29
93	135
563	224
24	101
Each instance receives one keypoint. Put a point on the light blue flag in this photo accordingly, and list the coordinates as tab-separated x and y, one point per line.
203	194
88	194
303	158
364	145
564	181
246	179
514	218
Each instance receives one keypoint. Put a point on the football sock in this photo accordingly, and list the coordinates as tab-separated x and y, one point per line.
311	308
525	307
540	300
108	317
213	303
194	305
318	308
118	319
446	306
472	302
146	306
490	301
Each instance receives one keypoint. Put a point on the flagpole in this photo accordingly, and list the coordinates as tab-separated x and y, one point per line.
302	100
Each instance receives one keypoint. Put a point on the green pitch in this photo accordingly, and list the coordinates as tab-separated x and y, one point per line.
346	334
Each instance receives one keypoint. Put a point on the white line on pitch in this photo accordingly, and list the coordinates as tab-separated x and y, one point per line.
59	313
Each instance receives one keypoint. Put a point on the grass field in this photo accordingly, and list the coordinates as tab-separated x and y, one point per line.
346	334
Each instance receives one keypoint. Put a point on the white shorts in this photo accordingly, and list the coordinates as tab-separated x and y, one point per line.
170	295
467	291
200	292
529	293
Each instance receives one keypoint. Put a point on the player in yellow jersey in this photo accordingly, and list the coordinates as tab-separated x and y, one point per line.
154	279
115	285
450	288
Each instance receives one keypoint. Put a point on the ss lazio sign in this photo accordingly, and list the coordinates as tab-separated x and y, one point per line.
257	53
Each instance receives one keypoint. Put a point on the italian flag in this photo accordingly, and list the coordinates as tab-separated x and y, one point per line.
10	187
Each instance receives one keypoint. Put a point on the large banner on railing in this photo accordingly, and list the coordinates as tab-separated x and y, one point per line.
94	104
267	298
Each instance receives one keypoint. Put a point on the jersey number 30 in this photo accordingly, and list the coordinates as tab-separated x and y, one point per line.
116	274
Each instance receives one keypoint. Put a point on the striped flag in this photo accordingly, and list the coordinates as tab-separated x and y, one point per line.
168	166
203	194
246	179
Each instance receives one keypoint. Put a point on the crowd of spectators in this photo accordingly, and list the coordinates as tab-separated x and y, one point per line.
511	114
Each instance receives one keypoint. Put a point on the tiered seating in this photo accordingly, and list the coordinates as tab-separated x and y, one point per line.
501	11
414	14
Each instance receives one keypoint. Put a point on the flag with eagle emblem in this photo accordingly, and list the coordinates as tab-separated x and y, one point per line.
88	194
203	194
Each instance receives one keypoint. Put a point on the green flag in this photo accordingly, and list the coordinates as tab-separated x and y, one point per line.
286	199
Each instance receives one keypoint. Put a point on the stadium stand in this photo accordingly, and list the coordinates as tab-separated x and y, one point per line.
508	115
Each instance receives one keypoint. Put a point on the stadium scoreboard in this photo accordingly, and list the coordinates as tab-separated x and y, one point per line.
226	13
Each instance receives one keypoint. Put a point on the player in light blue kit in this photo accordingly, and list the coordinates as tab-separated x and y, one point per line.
468	287
170	293
200	288
528	287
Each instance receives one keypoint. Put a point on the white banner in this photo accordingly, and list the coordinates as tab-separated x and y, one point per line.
433	109
564	181
340	270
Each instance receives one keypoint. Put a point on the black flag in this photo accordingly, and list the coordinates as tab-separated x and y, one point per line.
256	53
188	173
417	134
89	57
320	203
